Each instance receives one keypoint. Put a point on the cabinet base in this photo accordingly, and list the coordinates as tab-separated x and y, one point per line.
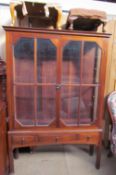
19	139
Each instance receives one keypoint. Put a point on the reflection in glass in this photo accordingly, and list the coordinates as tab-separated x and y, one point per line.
24	105
46	105
46	61
88	98
91	62
24	60
71	62
78	106
69	105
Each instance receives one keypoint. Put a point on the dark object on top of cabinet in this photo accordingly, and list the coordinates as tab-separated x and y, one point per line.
85	19
86	24
38	14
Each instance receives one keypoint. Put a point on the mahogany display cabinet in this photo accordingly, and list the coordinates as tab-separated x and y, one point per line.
55	87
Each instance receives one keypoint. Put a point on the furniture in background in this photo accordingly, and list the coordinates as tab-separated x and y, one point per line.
111	102
55	87
85	19
4	156
2	80
47	15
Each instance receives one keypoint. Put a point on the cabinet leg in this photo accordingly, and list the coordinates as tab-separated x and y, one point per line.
98	156
110	154
91	150
11	161
16	153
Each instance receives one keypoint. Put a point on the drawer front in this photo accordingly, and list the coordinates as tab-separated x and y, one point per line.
21	140
44	139
81	138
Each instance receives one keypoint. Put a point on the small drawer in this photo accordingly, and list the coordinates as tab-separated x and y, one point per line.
48	139
70	138
89	138
81	138
20	141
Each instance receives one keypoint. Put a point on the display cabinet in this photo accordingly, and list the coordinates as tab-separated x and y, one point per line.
55	87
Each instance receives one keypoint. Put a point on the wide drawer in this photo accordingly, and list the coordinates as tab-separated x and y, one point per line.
21	140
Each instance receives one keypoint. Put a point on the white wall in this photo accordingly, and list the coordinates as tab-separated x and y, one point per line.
110	8
5	18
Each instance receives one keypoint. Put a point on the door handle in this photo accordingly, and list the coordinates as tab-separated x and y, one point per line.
58	86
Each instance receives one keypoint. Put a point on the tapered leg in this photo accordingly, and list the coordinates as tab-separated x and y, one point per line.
16	153
110	154
11	162
91	150
98	156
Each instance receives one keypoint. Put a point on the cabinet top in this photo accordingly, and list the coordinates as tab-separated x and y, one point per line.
54	31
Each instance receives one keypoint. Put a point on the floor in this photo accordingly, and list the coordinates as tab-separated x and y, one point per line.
63	160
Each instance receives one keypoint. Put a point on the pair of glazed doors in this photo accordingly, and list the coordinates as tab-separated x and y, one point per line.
55	81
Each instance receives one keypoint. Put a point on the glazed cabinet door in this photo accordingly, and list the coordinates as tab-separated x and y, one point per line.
23	81
56	81
80	82
34	82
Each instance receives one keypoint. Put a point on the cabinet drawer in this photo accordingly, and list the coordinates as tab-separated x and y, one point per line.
34	140
81	138
20	141
44	139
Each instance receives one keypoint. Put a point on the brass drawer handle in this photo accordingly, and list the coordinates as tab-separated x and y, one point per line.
88	138
58	86
57	139
23	141
37	139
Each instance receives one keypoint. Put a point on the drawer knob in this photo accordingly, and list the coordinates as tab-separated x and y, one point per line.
23	141
88	138
37	139
57	139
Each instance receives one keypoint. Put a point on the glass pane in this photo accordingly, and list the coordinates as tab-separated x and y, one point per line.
46	61
46	105
69	104
89	108
24	105
91	63
71	62
24	60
